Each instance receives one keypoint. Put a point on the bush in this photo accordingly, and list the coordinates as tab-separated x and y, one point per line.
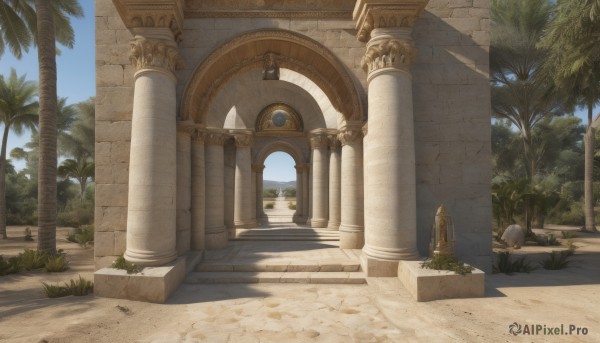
32	259
78	287
505	265
291	205
546	240
56	263
82	235
568	234
269	206
557	260
122	263
10	266
28	237
451	263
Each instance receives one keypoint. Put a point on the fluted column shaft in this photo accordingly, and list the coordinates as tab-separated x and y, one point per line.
258	169
391	215
352	227
184	186
198	192
151	212
320	180
242	213
216	234
335	161
306	191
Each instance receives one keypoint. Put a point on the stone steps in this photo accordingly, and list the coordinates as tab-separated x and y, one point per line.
286	234
276	277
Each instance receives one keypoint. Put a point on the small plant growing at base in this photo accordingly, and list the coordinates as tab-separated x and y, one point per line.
451	263
122	263
547	240
505	265
557	260
55	291
83	235
568	234
10	266
56	263
269	206
32	259
28	237
78	287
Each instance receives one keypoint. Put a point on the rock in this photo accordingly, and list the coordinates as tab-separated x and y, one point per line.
514	236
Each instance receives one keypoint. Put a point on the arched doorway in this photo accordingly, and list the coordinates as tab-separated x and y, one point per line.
279	190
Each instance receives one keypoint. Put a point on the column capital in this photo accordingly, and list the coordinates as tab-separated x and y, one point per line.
152	14
319	138
198	136
334	142
243	139
258	168
186	127
154	54
351	133
215	138
379	14
388	53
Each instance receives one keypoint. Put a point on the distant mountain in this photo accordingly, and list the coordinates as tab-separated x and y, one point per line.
276	184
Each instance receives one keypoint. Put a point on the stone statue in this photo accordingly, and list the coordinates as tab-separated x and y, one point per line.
514	236
270	67
442	240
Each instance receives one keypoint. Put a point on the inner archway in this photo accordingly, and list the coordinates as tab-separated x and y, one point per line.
279	188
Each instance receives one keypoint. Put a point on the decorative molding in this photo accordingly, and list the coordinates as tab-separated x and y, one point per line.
350	135
150	54
269	9
277	119
269	14
198	136
334	142
319	141
215	138
186	127
152	13
381	14
389	53
243	140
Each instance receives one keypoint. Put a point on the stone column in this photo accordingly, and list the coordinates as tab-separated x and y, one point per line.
253	221
151	223
242	212
229	195
299	214
198	192
391	215
335	161
320	179
184	186
305	191
352	227
216	234
258	170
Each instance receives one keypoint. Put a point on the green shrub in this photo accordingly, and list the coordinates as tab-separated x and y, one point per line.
10	266
56	263
291	205
451	263
55	291
568	234
504	264
122	263
557	260
83	235
28	237
32	259
269	206
546	240
77	287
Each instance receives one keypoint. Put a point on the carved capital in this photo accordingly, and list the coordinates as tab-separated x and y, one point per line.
198	136
150	54
381	14
389	53
243	140
186	127
350	135
152	14
320	141
215	138
334	143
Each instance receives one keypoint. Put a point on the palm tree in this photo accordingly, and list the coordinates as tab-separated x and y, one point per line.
15	31
520	93
573	40
80	170
18	110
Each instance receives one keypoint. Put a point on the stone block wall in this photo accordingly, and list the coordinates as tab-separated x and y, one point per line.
451	97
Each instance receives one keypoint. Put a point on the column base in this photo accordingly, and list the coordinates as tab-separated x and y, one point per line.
150	258
299	219
318	223
333	226
244	225
217	239
378	262
351	239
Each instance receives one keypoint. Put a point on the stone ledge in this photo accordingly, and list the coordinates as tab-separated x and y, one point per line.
428	284
153	284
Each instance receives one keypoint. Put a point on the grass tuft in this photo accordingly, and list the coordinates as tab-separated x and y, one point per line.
504	264
83	235
32	259
77	287
56	263
451	263
10	266
28	237
269	206
122	263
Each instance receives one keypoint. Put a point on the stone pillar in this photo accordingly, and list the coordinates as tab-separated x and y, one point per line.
391	214
229	195
151	211
198	192
183	220
309	198
305	191
335	161
299	214
242	212
253	221
320	178
258	171
216	234
352	227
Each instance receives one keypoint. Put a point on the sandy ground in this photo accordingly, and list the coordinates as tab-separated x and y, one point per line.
382	311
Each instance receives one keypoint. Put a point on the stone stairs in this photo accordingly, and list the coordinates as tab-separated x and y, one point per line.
286	233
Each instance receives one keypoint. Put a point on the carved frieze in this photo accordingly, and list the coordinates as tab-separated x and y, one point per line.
384	14
146	53
243	140
152	13
339	9
215	138
389	53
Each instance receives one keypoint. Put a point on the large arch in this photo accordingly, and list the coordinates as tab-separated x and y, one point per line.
275	146
294	52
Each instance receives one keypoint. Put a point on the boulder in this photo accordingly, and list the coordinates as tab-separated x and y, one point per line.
514	236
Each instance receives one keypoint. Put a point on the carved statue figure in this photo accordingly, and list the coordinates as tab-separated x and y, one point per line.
442	235
270	67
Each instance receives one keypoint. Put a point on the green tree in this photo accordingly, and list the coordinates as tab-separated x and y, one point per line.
573	41
78	142
18	110
47	34
520	92
80	170
15	32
